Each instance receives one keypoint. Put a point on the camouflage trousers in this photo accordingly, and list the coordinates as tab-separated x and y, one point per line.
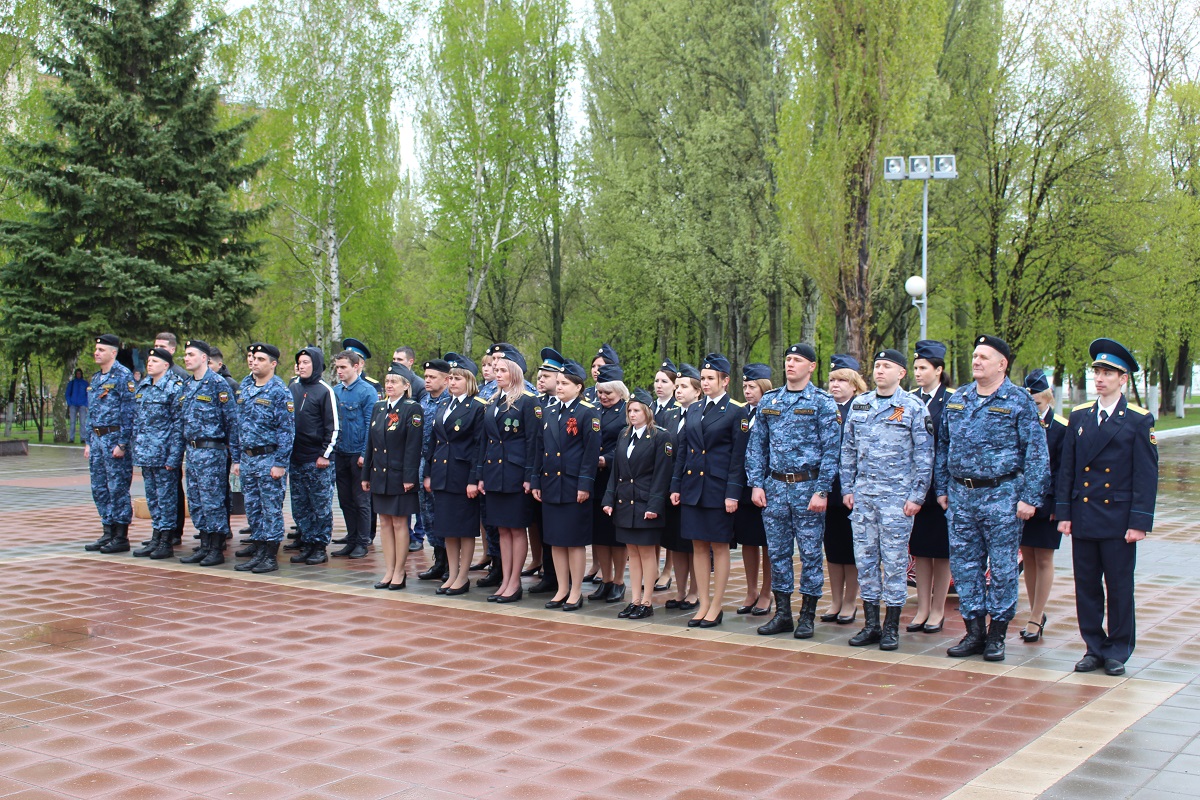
110	479
985	534
162	496
264	497
881	533
427	514
312	502
206	488
787	520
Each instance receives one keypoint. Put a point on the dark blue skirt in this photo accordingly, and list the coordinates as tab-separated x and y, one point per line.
508	509
1041	532
700	524
457	515
566	524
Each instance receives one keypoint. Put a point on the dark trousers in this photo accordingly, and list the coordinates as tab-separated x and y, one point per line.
354	502
180	494
1105	566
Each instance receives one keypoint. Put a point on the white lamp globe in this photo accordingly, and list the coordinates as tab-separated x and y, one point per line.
915	286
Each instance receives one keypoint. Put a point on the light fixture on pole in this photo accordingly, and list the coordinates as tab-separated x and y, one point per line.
921	168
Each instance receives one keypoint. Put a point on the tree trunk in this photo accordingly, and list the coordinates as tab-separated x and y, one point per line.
59	409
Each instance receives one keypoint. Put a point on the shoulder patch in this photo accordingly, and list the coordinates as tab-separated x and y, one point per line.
133	386
528	393
586	404
223	397
1082	406
1153	441
416	420
291	407
1061	420
733	402
1135	409
745	424
537	411
669	449
596	424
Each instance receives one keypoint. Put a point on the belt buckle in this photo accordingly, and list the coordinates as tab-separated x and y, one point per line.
969	483
789	477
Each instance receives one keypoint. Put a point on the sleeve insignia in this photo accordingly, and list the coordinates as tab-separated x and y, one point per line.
929	425
596	424
416	420
223	397
291	407
132	386
745	425
537	411
669	449
1153	441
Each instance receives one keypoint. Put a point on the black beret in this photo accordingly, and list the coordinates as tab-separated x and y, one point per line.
269	350
997	344
756	372
610	372
437	365
1036	382
844	361
717	362
161	353
894	356
805	351
688	371
197	344
109	339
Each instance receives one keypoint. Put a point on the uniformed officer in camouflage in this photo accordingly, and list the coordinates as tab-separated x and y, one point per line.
209	413
437	371
266	430
886	469
991	470
110	427
158	449
791	460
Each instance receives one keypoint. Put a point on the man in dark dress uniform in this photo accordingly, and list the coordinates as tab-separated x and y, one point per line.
1105	502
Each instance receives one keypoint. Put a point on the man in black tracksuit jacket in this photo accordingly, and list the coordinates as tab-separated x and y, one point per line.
312	471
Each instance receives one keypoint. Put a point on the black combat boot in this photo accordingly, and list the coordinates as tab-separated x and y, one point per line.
317	555
973	643
176	537
164	549
104	539
270	558
871	632
120	539
304	553
150	545
782	621
216	550
437	568
256	555
199	555
993	649
296	544
807	617
495	574
890	640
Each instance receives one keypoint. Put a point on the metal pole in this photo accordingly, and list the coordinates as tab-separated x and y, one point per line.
924	259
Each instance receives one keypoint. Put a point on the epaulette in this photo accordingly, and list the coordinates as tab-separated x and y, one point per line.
776	390
481	402
586	404
528	393
733	402
1137	409
821	391
1061	420
1081	406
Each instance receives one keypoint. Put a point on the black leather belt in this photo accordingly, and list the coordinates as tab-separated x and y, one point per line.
106	429
260	451
985	483
208	444
796	477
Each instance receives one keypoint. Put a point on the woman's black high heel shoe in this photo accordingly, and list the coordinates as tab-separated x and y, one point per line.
1029	638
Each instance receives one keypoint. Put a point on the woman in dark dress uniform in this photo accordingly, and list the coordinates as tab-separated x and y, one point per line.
392	469
1040	537
607	550
636	498
845	383
929	544
664	402
506	465
749	532
709	473
564	475
687	392
452	471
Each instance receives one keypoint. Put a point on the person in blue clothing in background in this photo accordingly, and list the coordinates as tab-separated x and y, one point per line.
76	395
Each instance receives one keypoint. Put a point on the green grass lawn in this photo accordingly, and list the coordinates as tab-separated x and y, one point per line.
1171	421
31	434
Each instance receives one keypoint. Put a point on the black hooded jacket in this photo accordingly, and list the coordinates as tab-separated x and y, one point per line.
316	413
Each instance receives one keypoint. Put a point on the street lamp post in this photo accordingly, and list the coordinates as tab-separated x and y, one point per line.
921	169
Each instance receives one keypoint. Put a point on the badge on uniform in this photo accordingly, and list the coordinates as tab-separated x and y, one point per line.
929	425
138	396
572	426
537	411
132	386
416	420
596	424
668	448
745	425
1153	441
955	406
897	414
223	397
458	424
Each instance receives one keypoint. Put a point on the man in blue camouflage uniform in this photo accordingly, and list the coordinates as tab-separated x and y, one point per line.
209	413
791	460
886	468
110	421
317	431
265	434
436	373
992	469
158	449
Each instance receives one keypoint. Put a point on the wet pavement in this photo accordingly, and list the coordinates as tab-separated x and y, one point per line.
125	678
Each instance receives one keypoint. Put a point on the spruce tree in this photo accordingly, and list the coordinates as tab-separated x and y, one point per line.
138	212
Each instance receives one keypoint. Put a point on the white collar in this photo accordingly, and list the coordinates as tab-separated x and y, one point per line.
1107	409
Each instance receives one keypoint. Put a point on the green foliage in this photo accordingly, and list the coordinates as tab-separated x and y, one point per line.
132	223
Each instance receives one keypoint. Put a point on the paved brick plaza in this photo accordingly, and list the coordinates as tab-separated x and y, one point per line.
124	678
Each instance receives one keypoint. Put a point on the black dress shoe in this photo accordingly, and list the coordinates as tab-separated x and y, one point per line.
616	593
593	578
398	586
914	627
1029	638
510	598
1089	663
382	585
414	547
745	609
830	617
573	606
662	587
689	605
544	587
927	628
712	623
672	603
695	622
627	611
847	620
358	552
345	551
491	598
601	592
761	612
642	612
1113	667
555	603
466	587
529	573
481	565
440	590
342	540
